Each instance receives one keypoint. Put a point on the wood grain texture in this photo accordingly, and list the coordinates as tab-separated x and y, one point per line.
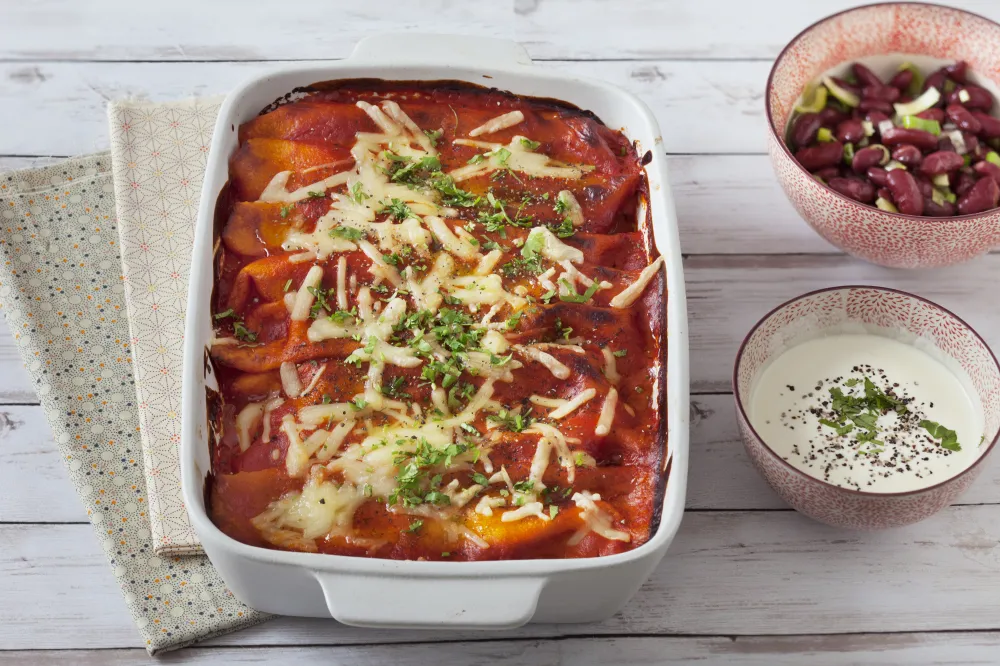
727	573
958	649
37	489
655	29
703	107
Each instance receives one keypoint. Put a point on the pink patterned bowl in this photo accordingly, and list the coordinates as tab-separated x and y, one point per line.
896	314
888	239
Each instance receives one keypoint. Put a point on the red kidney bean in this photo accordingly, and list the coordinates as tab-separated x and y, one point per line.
983	196
908	154
934	209
805	128
822	155
963	118
963	183
854	188
989	169
884	93
826	173
944	143
850	131
871	104
924	183
902	79
979	98
877	175
875	117
990	126
905	192
831	117
867	157
932	114
936	80
865	76
919	138
883	193
848	86
972	145
957	71
942	161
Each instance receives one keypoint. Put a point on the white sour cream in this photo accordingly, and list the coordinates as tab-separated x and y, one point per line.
793	394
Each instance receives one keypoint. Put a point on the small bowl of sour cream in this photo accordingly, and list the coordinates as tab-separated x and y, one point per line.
866	407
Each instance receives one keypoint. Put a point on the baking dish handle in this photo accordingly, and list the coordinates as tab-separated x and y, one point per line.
430	603
457	50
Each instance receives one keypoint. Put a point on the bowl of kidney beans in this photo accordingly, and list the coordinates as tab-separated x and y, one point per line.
891	161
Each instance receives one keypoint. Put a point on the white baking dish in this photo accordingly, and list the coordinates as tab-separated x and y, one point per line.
372	592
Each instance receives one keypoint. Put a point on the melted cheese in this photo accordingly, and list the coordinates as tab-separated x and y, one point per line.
290	382
551	363
574	212
320	509
275	190
573	404
247	420
628	295
610	366
595	519
552	248
607	417
313	381
561	444
498	123
304	297
272	405
516	156
529	510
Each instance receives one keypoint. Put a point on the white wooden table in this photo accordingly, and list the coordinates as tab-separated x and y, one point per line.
747	580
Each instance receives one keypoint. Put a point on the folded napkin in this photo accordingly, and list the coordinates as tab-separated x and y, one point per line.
63	296
158	154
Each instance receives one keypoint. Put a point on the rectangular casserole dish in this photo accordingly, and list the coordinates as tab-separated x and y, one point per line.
371	592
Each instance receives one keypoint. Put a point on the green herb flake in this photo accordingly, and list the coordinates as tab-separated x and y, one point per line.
949	439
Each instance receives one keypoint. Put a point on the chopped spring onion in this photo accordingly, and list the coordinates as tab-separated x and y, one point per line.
824	135
949	87
813	100
941	180
940	196
917	82
845	96
964	96
869	127
885	153
958	141
966	159
886	205
885	125
848	152
926	124
893	164
993	158
929	98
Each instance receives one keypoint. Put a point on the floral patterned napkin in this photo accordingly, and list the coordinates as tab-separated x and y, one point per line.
64	298
158	154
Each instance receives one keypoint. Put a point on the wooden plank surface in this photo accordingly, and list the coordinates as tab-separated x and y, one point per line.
727	573
549	29
958	649
59	106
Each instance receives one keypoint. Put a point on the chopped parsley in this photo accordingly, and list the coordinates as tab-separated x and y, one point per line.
288	285
347	233
285	210
620	352
518	266
529	144
394	389
358	404
321	302
415	483
317	195
239	328
340	316
949	439
434	136
514	422
415	525
397	208
571	296
563	331
358	194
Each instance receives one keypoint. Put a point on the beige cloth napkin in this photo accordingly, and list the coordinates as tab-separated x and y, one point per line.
158	152
63	298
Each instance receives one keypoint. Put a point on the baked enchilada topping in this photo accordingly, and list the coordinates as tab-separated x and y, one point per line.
437	330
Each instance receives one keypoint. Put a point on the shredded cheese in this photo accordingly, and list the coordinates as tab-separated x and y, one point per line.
551	363
516	156
313	381
498	123
573	404
607	417
247	420
610	366
574	212
290	382
304	297
628	295
595	520
272	405
275	190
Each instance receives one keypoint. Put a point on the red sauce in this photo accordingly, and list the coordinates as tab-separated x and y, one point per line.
254	274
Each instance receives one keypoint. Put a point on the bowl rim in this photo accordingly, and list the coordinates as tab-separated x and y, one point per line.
860	493
788	153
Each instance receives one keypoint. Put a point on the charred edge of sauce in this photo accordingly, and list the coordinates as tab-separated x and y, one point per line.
214	401
647	158
375	86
